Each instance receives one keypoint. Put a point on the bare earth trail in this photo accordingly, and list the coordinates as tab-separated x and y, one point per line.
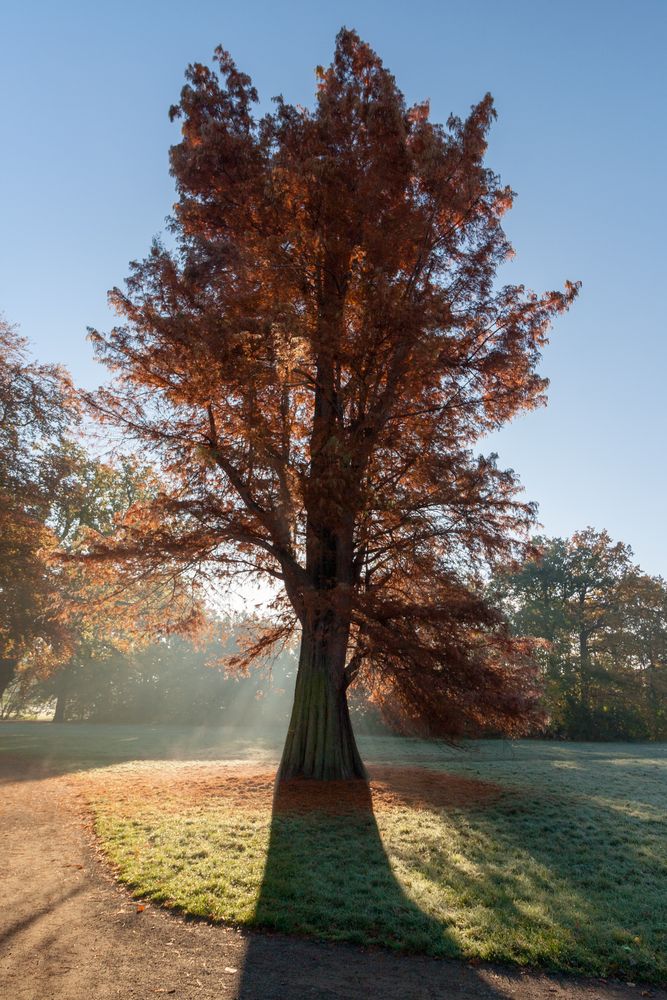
68	932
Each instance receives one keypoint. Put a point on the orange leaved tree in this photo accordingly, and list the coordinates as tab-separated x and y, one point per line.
36	406
312	364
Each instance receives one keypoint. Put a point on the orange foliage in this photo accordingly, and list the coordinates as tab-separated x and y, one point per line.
313	365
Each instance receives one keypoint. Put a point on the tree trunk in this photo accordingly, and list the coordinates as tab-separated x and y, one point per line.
7	671
653	700
320	741
61	699
584	673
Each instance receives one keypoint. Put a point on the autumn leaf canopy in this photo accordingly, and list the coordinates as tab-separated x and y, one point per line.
312	365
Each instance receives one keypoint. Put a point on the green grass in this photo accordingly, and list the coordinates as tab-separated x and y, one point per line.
566	869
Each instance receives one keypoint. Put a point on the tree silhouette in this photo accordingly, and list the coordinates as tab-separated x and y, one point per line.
311	366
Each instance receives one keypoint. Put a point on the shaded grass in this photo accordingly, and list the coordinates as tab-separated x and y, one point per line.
61	748
320	875
567	868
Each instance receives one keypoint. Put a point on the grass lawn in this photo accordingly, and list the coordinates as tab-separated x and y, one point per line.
537	853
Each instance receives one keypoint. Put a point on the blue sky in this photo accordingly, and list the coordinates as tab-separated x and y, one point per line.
580	90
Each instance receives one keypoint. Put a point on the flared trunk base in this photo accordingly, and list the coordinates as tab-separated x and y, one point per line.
320	742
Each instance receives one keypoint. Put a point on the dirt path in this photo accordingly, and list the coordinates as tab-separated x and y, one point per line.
68	932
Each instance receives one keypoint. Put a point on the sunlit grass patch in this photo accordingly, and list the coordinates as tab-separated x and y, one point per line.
532	861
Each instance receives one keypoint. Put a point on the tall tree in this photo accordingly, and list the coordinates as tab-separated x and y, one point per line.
313	364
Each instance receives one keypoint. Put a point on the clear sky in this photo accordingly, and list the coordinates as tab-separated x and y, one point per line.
580	89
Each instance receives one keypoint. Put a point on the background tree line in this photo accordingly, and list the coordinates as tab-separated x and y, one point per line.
78	640
171	681
59	611
603	658
603	623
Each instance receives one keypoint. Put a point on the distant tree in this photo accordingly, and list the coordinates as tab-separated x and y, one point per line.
604	623
36	406
312	365
55	497
174	680
106	615
93	495
641	644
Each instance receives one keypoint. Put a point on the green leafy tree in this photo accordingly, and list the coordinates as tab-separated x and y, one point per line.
641	644
603	625
108	616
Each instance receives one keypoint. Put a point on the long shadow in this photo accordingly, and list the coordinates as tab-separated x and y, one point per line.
327	877
8	932
530	867
534	864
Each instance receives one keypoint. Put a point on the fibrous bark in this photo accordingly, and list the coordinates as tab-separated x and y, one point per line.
320	742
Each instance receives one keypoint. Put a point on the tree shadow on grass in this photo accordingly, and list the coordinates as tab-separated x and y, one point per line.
557	881
327	877
524	864
327	872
